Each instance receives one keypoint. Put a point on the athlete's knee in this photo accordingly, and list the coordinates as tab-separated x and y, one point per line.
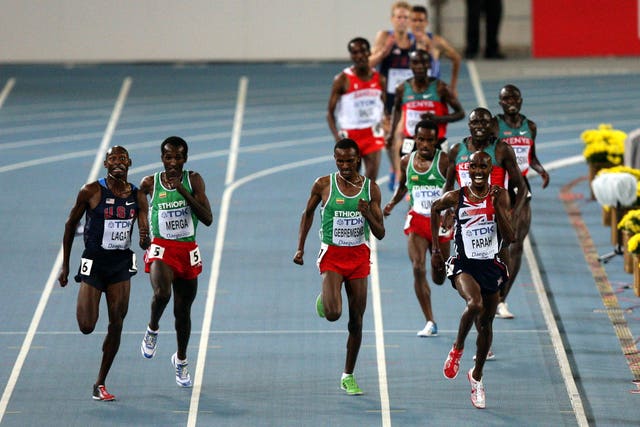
332	314
419	269
475	305
355	326
86	327
162	295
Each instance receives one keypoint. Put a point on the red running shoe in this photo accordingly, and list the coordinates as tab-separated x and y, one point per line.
452	364
100	393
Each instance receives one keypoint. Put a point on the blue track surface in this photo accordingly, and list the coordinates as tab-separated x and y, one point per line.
268	360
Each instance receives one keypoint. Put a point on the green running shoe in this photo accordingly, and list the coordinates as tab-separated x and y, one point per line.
349	385
319	306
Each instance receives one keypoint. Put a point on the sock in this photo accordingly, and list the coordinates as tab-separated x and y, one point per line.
344	375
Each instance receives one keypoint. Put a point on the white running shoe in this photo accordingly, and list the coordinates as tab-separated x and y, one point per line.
503	311
430	330
490	356
149	343
477	391
183	378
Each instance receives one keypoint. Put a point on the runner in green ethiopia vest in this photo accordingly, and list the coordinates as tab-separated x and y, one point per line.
342	223
171	216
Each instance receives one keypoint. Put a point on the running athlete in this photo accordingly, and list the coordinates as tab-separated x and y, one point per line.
391	55
422	174
356	106
173	261
391	50
503	159
436	45
483	222
420	98
520	133
350	210
112	206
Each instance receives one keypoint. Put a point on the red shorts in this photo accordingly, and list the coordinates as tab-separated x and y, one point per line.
421	225
368	141
183	257
351	262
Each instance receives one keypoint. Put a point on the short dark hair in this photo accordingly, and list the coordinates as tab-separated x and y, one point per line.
420	9
426	124
345	144
175	141
119	147
358	40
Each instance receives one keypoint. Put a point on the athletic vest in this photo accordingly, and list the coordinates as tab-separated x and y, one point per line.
395	66
108	226
498	174
415	104
171	216
477	235
520	139
361	106
342	222
424	187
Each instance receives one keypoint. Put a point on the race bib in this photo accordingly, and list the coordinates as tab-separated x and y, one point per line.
117	233
194	257
397	76
407	145
480	241
85	266
175	224
423	197
348	231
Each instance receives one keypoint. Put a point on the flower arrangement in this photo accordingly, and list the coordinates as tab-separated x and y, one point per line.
630	222
604	144
633	245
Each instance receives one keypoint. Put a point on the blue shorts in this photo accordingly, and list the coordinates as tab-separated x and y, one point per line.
490	274
103	268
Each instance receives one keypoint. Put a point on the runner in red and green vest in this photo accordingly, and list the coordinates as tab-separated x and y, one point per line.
350	211
173	261
520	133
422	175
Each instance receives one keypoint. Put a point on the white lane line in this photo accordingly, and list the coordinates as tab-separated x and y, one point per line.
6	90
475	83
381	358
556	339
217	254
48	288
545	306
215	268
232	163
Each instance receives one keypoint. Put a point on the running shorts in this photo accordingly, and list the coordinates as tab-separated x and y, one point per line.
368	139
351	262
491	274
421	225
183	257
106	267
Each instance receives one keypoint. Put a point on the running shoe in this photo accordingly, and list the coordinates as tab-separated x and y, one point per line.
477	391
452	364
503	311
431	330
490	356
319	306
349	385
100	393
183	378
149	343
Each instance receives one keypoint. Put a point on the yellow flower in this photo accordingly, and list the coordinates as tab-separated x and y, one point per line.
633	246
630	222
604	144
